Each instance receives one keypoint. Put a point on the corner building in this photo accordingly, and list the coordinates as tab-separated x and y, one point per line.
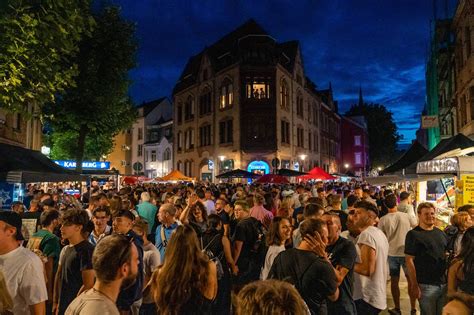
245	102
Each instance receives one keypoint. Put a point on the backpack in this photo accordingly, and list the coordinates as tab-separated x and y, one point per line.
259	248
215	259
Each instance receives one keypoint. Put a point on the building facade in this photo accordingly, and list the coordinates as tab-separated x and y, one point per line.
158	149
128	154
244	102
354	145
18	130
463	28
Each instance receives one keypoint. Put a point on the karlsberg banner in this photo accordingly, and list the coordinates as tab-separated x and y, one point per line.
86	165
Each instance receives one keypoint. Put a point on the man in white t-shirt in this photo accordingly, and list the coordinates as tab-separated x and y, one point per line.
115	262
371	272
22	269
395	225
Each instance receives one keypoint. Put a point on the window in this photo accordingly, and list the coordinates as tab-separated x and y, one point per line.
205	136
179	166
316	142
188	168
180	113
258	88
357	141
226	131
299	105
285	132
284	95
226	98
180	140
167	155
315	114
309	112
358	158
140	150
140	133
310	141
16	121
205	102
300	137
189	139
189	108
153	155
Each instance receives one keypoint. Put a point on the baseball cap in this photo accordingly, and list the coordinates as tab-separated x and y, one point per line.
13	219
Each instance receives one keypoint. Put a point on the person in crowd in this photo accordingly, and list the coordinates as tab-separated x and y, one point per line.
322	195
221	205
166	216
406	205
26	291
75	272
103	200
311	211
395	225
33	215
100	217
287	209
208	202
151	261
93	204
259	212
308	268
425	257
371	272
469	209
460	222
279	235
47	245
115	205
270	297
461	277
185	288
366	196
195	214
342	254
269	203
129	298
215	242
346	193
115	262
147	210
336	208
245	237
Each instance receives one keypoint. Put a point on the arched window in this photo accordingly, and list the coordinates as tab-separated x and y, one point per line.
226	98
189	108
284	94
205	135
205	102
299	105
180	141
167	155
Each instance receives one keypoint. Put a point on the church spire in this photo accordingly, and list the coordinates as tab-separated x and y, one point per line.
361	99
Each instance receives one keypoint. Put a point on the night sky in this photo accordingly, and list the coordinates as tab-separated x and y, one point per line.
380	45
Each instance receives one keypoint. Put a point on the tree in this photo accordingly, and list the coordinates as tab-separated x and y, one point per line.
98	107
382	130
38	40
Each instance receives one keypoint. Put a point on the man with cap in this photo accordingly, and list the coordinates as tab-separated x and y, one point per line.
23	270
370	278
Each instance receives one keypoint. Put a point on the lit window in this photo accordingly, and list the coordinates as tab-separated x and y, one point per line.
226	94
357	140
153	155
258	88
358	158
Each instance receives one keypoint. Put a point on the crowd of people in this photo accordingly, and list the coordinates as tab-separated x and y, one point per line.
233	249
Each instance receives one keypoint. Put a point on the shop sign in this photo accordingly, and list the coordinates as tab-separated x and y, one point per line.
468	189
429	122
210	165
86	165
448	165
296	166
259	166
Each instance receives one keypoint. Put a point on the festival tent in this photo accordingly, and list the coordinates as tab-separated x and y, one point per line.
237	173
317	173
176	176
272	179
133	180
290	173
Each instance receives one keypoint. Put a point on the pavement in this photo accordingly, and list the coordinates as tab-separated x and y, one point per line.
404	299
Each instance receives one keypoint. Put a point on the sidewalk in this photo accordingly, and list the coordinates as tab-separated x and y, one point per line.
404	299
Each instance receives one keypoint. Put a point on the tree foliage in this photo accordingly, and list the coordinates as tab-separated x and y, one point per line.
382	130
98	107
38	39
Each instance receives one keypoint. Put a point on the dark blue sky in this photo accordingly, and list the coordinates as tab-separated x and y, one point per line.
379	44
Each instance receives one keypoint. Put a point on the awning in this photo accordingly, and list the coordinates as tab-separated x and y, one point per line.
412	155
453	165
391	179
20	165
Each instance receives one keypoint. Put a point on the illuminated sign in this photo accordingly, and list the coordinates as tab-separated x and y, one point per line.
86	165
259	166
210	165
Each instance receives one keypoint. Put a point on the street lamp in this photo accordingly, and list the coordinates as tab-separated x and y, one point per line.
346	166
302	157
379	168
221	166
221	158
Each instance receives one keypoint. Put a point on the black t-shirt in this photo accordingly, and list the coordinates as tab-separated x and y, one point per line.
343	253
224	217
73	260
429	249
246	232
313	277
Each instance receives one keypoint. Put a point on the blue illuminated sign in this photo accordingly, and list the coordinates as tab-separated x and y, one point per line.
259	166
86	165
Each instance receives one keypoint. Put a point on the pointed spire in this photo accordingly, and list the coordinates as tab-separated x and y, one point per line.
361	99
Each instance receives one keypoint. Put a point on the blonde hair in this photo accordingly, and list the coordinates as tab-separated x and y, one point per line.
145	196
6	302
270	297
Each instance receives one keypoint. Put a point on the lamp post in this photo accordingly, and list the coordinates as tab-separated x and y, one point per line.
221	164
302	157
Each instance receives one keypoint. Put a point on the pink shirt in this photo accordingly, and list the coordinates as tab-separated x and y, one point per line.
262	215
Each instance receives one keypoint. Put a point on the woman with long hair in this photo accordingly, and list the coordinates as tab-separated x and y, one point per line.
195	214
461	275
187	282
460	222
278	235
287	208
